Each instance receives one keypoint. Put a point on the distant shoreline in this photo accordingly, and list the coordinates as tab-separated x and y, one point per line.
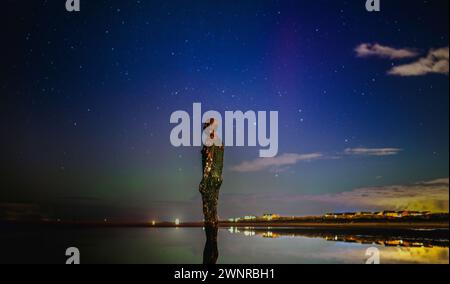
343	225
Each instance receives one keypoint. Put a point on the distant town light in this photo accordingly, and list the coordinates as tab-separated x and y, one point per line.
153	223
270	217
177	222
249	233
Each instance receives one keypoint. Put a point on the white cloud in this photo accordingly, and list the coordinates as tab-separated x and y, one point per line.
444	181
422	196
436	62
377	50
372	151
431	195
287	159
281	162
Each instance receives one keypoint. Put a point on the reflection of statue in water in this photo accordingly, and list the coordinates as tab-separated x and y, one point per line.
211	252
212	163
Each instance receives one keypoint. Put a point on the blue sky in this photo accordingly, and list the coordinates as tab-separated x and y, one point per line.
88	98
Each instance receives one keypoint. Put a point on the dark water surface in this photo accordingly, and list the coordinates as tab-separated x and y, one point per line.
185	245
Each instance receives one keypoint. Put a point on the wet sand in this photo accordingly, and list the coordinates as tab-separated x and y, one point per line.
381	225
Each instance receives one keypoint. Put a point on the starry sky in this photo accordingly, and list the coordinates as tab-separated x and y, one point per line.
86	99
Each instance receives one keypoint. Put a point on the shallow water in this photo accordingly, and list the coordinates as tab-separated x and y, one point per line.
185	245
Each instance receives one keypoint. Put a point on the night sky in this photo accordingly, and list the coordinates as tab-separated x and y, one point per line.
86	100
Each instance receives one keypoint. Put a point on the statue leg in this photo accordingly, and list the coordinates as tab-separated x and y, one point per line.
209	188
